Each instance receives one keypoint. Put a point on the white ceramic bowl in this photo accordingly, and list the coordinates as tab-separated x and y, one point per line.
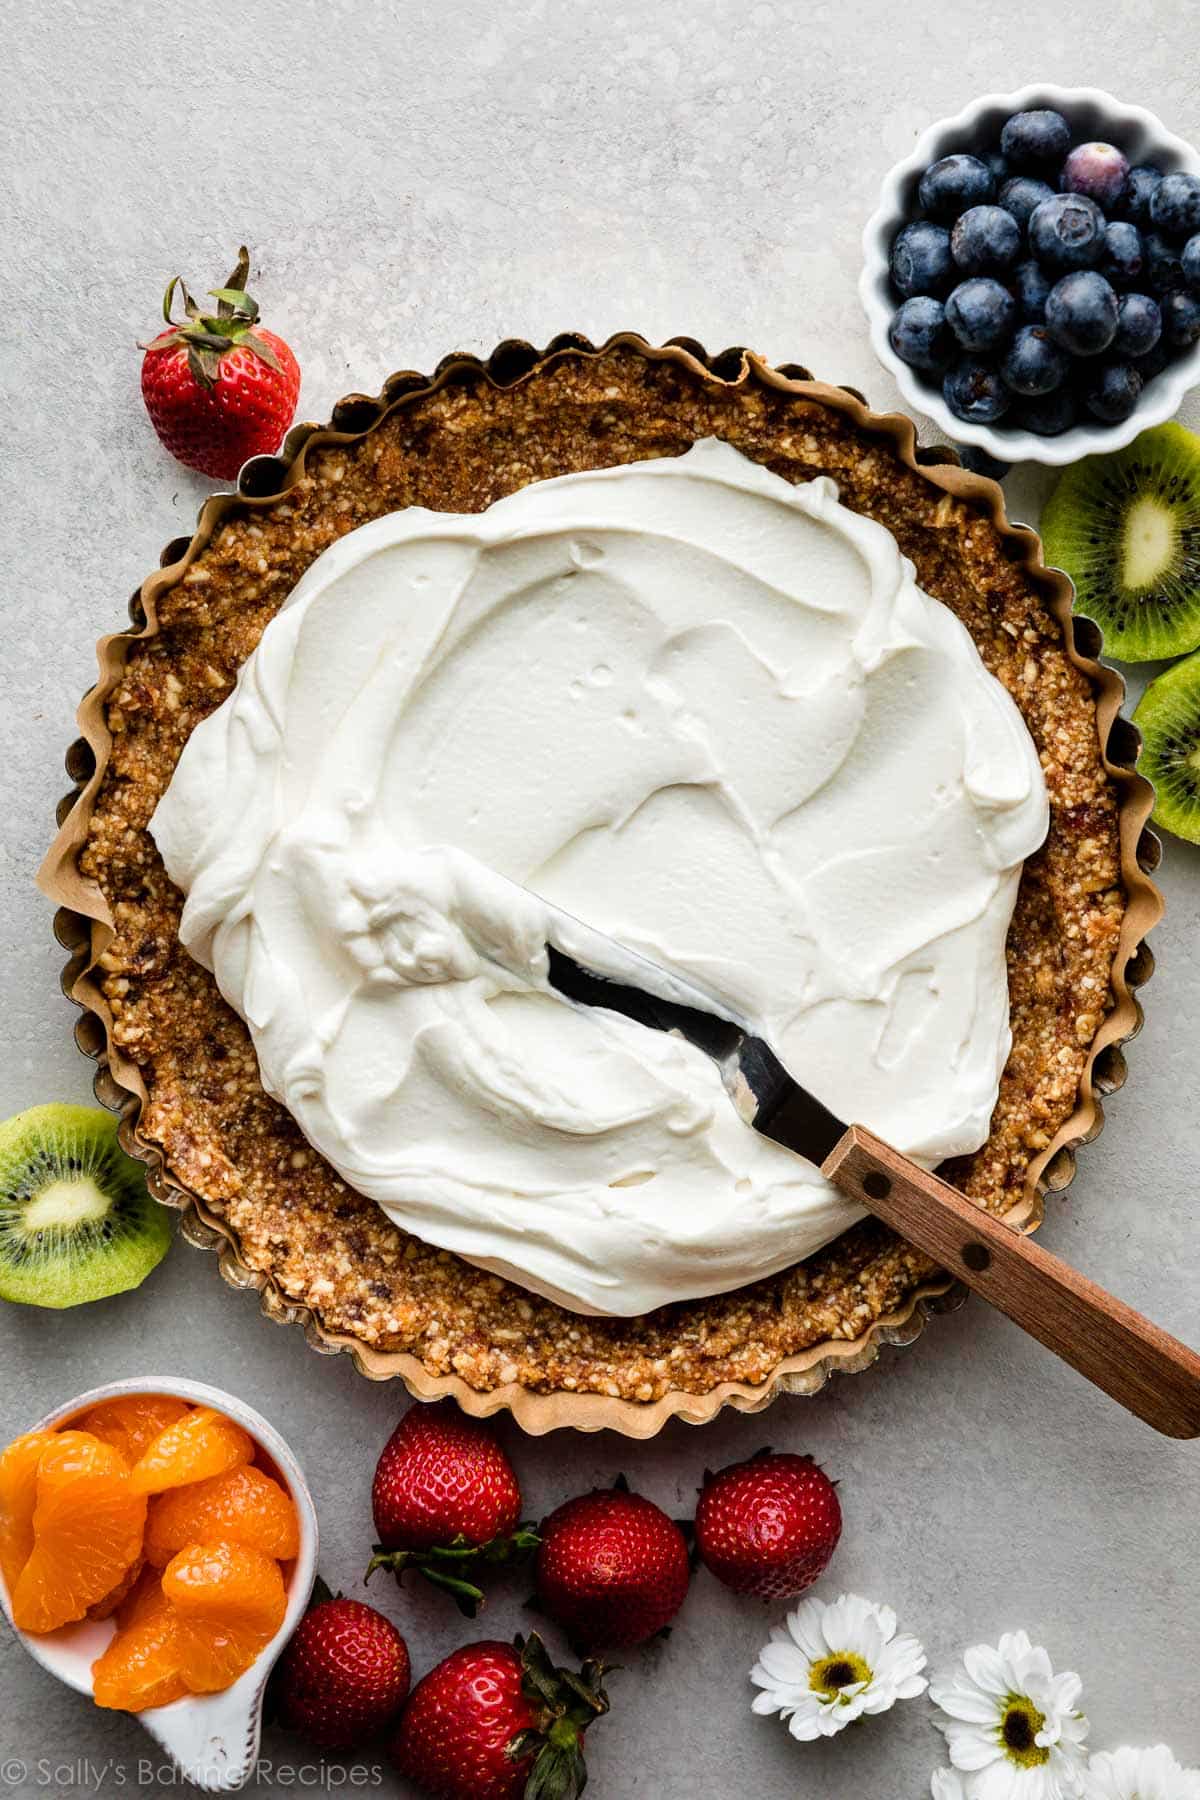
1092	115
212	1738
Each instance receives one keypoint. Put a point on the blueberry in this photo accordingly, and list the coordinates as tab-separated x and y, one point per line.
1031	284
919	335
1098	170
981	313
1049	415
1139	191
1153	362
1067	232
982	462
1181	320
1033	362
1189	263
985	238
1175	207
1164	266
921	262
998	164
953	183
1111	391
1081	313
973	390
1124	258
1139	325
1020	194
1031	140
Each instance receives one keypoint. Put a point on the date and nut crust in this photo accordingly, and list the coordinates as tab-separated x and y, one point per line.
326	1247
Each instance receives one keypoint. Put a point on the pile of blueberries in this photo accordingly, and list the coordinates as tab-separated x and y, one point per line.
1045	283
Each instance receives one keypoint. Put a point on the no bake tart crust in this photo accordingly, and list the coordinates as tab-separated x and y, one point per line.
330	1256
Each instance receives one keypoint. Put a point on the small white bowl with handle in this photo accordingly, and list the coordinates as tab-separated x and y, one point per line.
1091	114
212	1738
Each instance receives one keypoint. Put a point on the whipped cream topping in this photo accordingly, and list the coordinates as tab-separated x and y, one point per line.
707	712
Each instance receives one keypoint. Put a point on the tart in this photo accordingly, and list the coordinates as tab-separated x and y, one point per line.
179	1062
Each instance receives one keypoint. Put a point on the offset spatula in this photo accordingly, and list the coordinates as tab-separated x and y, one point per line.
1145	1369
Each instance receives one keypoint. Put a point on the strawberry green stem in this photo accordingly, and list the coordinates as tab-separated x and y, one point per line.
452	1566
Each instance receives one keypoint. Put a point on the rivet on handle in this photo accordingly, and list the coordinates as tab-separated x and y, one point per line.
876	1185
976	1256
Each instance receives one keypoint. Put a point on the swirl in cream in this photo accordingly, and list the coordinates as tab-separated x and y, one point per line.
704	710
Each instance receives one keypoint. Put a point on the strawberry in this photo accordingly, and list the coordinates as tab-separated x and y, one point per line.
343	1675
218	387
446	1503
612	1568
498	1721
768	1526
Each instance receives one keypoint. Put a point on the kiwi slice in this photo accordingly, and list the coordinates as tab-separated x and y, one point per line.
1168	717
1126	528
76	1220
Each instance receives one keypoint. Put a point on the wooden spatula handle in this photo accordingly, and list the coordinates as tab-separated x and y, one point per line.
1145	1369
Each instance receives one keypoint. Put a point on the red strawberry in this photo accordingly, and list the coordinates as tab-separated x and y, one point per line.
612	1568
446	1502
218	387
495	1722
768	1526
344	1674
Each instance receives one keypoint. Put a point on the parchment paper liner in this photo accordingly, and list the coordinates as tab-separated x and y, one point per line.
83	926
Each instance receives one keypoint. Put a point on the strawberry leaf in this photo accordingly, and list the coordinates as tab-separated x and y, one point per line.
205	365
234	301
240	272
565	1705
261	349
450	1566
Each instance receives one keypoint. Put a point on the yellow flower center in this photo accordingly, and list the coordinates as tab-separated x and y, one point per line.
841	1669
1019	1726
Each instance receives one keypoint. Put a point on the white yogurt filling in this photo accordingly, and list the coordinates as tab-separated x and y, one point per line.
706	711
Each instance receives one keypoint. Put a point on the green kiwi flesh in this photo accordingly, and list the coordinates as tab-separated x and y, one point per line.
1126	528
76	1220
1168	717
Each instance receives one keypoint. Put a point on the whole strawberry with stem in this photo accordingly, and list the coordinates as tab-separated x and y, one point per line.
343	1677
768	1526
219	388
612	1568
499	1721
447	1503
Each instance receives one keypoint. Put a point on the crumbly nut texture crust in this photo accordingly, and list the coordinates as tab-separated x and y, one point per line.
329	1248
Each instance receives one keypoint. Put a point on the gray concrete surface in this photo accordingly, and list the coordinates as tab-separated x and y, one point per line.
414	178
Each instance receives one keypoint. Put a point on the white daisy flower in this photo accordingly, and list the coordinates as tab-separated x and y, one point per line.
1013	1725
1127	1774
948	1784
831	1662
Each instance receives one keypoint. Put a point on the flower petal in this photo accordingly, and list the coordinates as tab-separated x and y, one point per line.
962	1702
969	1747
803	1626
987	1670
782	1663
1002	1780
947	1784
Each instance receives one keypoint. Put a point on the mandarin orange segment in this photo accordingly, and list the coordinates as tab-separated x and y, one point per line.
194	1448
229	1602
87	1530
140	1668
143	1599
18	1491
243	1506
104	1609
131	1422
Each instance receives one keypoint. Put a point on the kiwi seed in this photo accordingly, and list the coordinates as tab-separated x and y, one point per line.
1126	528
1168	716
76	1220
